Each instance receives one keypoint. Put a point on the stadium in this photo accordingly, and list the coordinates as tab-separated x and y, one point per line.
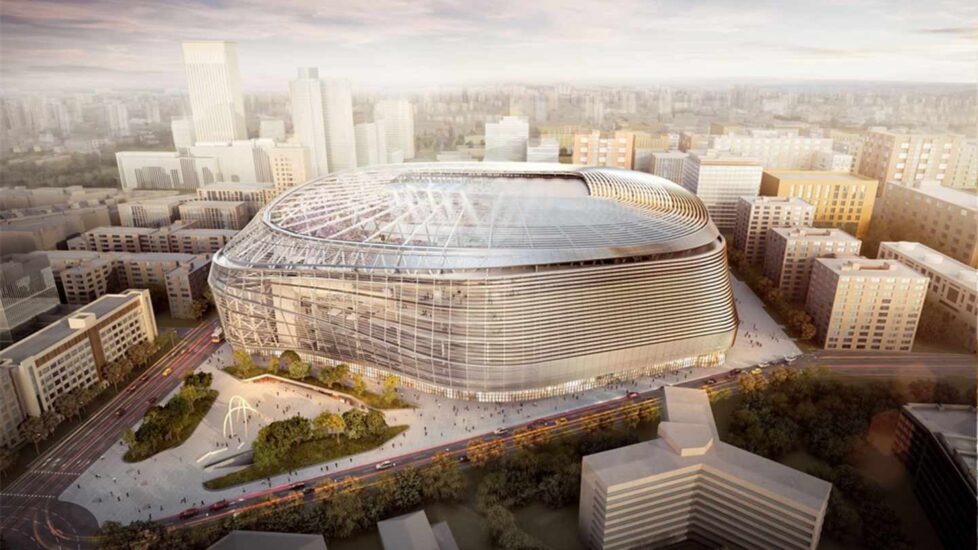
484	281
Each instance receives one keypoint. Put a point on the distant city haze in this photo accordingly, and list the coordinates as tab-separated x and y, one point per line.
67	45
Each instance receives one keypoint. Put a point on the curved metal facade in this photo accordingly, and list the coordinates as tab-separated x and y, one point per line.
488	281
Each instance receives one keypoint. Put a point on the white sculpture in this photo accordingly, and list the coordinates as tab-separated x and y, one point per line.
238	406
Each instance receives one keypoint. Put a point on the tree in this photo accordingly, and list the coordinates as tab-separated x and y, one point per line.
482	451
243	361
808	331
408	488
69	404
374	422
275	440
946	393
443	479
198	308
342	515
330	423
8	457
356	423
390	389
289	356
341	373
117	371
649	412
35	430
129	437
298	370
274	364
359	386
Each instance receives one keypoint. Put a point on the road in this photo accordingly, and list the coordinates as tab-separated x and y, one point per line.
31	516
32	520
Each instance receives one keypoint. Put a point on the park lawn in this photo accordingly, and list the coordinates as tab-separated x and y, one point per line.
370	398
307	454
201	408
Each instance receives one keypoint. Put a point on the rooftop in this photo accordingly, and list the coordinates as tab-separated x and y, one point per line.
690	440
955	427
121	230
60	330
235	185
818	175
786	201
212	204
865	267
263	540
813	234
957	197
946	266
413	532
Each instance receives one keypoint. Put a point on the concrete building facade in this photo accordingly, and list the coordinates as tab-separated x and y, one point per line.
790	252
616	151
756	215
840	199
669	165
255	195
942	218
908	159
861	304
720	182
215	214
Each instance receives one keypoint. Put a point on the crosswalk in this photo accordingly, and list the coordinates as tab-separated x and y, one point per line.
24	495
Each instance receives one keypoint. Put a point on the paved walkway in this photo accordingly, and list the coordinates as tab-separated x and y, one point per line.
114	490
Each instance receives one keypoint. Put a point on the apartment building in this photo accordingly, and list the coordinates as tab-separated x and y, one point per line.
720	181
73	352
669	165
785	151
113	239
182	276
688	486
617	150
216	214
156	212
756	215
790	252
942	218
861	304
27	291
908	159
936	443
11	412
965	175
542	150
254	195
199	241
180	236
290	165
840	199
80	275
834	161
953	290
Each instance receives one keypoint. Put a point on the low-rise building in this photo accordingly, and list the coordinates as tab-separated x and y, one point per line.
756	215
82	276
687	485
942	218
669	165
262	540
952	296
936	443
182	276
840	199
27	291
414	532
543	150
216	214
254	195
790	252
862	304
617	150
113	239
72	353
157	212
199	241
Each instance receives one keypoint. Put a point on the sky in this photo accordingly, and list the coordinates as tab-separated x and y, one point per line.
134	44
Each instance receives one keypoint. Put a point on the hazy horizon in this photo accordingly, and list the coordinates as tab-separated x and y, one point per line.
62	45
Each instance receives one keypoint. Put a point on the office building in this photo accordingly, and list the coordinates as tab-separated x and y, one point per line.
398	117
506	140
790	252
720	181
158	212
617	150
322	117
181	170
936	443
834	161
861	304
669	165
243	160
756	215
371	143
687	486
254	195
952	296
784	151
414	532
290	165
542	150
27	291
182	276
942	218
214	85
72	353
631	256
271	128
908	159
840	199
117	119
182	130
215	214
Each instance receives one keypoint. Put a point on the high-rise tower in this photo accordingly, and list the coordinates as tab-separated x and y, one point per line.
215	90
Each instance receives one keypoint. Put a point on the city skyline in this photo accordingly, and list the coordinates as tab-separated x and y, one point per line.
57	45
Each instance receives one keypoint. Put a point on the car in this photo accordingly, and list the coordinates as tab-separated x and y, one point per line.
711	381
296	486
120	411
756	370
219	505
151	400
167	371
561	421
633	395
464	458
538	424
501	431
384	465
189	513
309	490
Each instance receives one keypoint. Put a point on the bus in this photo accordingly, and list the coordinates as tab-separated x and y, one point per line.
218	335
